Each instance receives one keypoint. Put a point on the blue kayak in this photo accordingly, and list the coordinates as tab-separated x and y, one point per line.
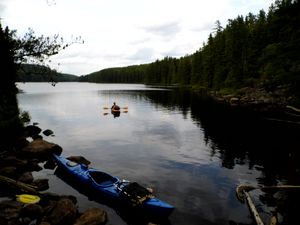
114	188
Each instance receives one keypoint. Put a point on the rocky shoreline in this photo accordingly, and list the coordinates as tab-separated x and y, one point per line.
277	105
16	167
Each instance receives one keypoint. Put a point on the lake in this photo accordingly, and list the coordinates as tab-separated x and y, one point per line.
190	150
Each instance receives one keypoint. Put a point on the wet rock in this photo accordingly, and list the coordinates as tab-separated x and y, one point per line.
31	130
26	178
52	197
13	161
50	164
17	221
33	165
92	216
21	143
47	132
41	184
9	171
44	223
33	211
234	101
79	159
37	136
41	149
63	213
10	210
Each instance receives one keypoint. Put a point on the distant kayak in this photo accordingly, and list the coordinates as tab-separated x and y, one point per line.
115	110
112	187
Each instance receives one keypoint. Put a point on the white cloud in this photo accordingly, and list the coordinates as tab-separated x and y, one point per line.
2	7
165	30
120	33
143	54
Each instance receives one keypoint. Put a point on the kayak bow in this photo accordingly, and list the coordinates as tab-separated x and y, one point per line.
114	188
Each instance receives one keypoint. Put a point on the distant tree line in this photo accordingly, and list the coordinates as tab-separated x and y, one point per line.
40	73
130	74
255	50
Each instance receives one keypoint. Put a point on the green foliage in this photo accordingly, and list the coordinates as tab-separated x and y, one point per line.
36	49
13	52
8	102
250	50
38	73
130	74
25	117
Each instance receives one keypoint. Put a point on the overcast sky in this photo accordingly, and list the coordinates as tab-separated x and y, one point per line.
123	32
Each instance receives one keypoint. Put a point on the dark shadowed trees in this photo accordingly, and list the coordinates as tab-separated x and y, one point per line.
13	52
251	51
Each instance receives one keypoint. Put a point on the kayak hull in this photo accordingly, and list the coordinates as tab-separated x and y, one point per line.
110	188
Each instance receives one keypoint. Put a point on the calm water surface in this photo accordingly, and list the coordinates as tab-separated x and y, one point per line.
192	152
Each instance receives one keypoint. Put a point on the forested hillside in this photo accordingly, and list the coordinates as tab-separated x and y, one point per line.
255	51
38	73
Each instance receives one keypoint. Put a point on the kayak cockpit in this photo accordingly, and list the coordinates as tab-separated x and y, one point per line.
102	179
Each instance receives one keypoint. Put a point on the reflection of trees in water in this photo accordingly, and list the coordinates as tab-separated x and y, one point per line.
244	137
238	136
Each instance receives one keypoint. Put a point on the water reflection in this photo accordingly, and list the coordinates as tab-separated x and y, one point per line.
116	114
192	151
241	137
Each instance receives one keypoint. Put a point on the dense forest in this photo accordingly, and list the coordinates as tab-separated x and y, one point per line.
39	73
257	51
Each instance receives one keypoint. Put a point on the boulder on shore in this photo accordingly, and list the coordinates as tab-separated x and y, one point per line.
32	130
48	132
79	159
26	177
9	210
64	212
93	216
41	149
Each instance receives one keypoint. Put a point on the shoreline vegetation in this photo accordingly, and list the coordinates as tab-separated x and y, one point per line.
252	61
16	167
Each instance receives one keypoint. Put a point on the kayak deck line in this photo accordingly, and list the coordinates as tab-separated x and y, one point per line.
130	193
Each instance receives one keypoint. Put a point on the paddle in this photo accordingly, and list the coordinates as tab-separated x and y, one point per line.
125	107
